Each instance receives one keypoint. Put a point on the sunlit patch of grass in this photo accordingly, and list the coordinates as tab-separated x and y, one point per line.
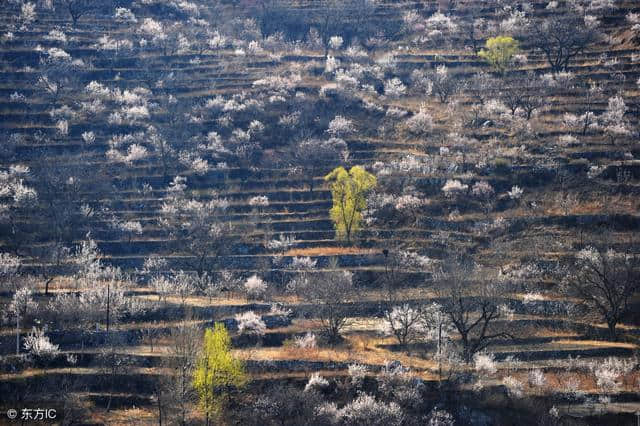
596	343
356	348
126	417
36	372
329	251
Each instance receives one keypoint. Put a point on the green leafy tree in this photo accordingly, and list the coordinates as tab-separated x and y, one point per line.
349	191
217	371
499	52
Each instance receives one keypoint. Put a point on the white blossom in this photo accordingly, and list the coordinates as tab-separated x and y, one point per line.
335	42
514	386
608	373
537	378
421	123
484	362
125	15
88	137
331	64
357	373
307	341
63	127
515	193
255	287
482	189
259	200
454	187
56	35
39	346
250	323
316	382
28	13
394	88
439	417
340	126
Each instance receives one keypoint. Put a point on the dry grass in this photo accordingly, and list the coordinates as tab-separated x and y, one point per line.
596	344
35	372
126	417
535	331
200	301
357	348
296	374
329	251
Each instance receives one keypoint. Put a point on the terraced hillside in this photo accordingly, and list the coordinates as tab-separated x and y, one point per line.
165	167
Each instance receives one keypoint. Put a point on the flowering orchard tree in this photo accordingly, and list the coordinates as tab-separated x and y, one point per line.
610	374
129	228
196	227
453	188
9	268
404	322
341	126
28	14
588	120
22	307
613	119
421	123
394	88
39	347
365	409
15	194
255	287
485	194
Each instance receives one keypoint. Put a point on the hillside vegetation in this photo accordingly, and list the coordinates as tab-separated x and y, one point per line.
328	212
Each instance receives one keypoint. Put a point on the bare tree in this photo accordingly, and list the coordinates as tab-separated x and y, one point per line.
444	84
54	257
330	19
329	293
313	157
473	27
480	89
524	94
113	364
70	196
471	301
604	280
174	392
78	8
563	36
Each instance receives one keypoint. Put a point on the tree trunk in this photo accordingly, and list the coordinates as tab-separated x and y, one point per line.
466	352
46	286
158	395
613	333
108	303
17	334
